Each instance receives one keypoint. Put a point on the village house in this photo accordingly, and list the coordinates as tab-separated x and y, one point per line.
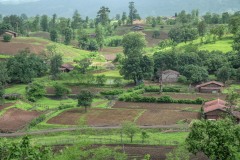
217	109
210	87
137	28
11	33
169	76
66	68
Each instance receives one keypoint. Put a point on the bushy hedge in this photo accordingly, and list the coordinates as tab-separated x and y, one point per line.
114	42
37	121
165	89
164	99
112	92
65	106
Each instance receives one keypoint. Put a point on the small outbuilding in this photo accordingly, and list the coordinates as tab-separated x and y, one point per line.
215	109
11	33
66	68
169	76
137	28
210	87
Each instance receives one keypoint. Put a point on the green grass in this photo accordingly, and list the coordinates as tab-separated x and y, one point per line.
53	104
110	74
18	88
109	137
2	56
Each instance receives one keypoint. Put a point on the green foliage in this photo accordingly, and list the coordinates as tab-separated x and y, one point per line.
236	41
156	34
68	35
35	91
55	63
132	13
165	89
54	36
36	121
179	153
103	16
166	43
24	66
83	65
65	106
85	99
202	28
112	92
100	35
195	74
93	45
117	82
114	42
84	151
4	78
182	79
218	31
7	38
216	139
101	80
183	34
130	129
144	136
224	73
61	90
238	74
23	150
234	24
44	23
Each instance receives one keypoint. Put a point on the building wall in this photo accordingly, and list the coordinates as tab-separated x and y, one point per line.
214	114
170	77
209	90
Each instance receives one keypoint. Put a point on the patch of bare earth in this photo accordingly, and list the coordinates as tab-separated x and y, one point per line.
95	117
16	45
110	52
188	96
154	106
166	117
15	119
6	105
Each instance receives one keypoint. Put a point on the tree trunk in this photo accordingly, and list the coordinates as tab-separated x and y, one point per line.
131	139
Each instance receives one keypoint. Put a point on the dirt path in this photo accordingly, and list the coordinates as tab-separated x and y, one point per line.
19	134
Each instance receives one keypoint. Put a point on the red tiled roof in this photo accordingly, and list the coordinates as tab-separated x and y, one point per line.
211	82
67	66
215	105
170	71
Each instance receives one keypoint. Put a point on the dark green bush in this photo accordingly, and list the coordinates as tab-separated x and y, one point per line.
165	89
37	121
115	42
65	106
112	92
7	38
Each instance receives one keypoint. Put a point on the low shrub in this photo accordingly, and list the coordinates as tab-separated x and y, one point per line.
112	92
37	121
7	38
114	42
65	106
165	89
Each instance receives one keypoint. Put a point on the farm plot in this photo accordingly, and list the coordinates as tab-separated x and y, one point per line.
16	119
110	52
6	105
166	117
95	117
18	44
188	96
155	106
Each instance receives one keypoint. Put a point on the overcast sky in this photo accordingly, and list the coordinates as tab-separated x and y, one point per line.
15	1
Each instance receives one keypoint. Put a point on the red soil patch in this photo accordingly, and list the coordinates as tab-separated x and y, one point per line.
166	117
16	119
6	105
16	45
188	96
95	117
155	106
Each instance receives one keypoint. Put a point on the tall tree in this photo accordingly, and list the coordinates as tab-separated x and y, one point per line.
103	16
44	23
124	18
132	13
100	35
54	35
219	140
135	66
4	78
236	42
36	23
67	35
55	63
85	99
202	28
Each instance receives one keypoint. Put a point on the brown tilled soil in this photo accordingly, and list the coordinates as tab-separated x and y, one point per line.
5	105
16	119
110	52
166	117
153	41
155	106
95	117
16	45
188	96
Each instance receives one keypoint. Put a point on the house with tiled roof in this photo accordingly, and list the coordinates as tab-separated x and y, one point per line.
217	109
66	68
210	87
